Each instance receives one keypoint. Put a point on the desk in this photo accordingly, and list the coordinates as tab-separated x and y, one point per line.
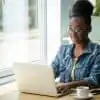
11	92
38	97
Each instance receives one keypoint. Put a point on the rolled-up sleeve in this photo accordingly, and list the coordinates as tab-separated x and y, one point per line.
55	65
94	77
57	61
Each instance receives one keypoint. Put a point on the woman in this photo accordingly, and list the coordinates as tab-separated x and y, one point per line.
78	64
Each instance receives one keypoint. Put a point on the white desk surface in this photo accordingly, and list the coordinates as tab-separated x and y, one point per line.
11	92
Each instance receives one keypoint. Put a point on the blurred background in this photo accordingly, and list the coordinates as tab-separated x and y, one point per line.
32	30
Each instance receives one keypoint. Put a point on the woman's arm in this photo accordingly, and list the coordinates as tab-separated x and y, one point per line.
92	81
57	61
63	87
56	64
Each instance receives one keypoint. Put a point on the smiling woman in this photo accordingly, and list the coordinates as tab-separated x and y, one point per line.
78	64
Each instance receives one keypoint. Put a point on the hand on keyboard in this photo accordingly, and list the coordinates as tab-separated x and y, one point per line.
63	88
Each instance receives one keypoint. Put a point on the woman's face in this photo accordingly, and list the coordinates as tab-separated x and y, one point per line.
78	30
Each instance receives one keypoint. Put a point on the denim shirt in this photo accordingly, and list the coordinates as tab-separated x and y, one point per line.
88	64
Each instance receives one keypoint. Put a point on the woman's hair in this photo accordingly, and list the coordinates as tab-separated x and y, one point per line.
82	8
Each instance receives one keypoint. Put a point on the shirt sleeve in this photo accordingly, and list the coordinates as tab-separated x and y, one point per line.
94	77
56	62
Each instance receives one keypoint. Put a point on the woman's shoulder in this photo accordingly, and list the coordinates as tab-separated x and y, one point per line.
65	49
65	46
95	47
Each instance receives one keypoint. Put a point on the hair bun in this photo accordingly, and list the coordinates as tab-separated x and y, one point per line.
82	8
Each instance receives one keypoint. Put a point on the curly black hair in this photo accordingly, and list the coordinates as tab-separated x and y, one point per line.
82	8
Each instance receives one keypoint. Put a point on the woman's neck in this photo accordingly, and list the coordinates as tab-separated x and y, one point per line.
81	45
79	49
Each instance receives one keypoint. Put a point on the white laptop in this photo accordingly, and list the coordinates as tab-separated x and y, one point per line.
35	78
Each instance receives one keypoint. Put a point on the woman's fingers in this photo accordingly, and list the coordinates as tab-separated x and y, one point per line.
63	88
59	89
65	91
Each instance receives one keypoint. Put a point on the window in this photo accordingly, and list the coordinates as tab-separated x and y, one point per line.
23	34
1	18
26	25
34	34
36	27
33	14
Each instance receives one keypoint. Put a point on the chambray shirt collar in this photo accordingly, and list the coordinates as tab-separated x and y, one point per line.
87	50
69	51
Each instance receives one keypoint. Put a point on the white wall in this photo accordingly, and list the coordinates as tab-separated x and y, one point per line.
95	34
65	6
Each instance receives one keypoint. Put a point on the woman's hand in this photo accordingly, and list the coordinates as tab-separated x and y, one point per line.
63	88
